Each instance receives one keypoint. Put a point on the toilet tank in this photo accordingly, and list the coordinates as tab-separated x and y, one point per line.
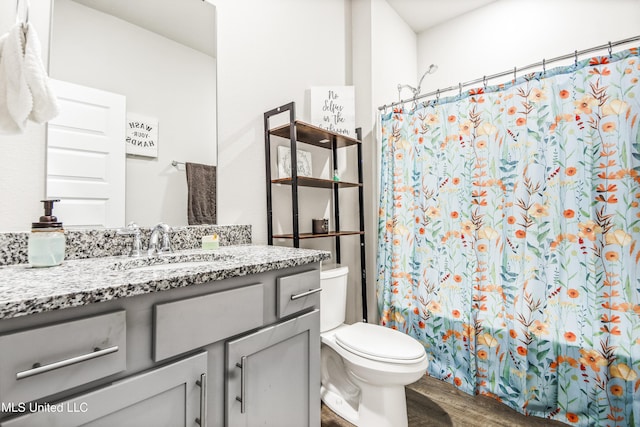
333	298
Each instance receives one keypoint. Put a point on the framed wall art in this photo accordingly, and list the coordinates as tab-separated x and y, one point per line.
142	135
333	109
284	162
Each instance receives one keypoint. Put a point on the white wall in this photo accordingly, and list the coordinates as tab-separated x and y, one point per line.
509	33
161	79
384	55
362	66
269	53
23	156
395	55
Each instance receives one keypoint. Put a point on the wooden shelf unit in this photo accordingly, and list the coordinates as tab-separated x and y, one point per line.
305	181
297	131
313	135
317	236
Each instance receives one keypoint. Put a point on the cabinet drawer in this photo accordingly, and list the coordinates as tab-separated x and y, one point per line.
171	395
298	292
181	326
39	362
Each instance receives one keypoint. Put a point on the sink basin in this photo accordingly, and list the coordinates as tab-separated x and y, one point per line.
170	266
170	262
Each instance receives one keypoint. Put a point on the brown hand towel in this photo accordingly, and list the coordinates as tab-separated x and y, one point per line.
201	186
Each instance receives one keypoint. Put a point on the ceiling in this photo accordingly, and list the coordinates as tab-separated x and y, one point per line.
424	14
188	22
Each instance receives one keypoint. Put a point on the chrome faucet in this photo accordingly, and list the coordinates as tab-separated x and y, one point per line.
165	244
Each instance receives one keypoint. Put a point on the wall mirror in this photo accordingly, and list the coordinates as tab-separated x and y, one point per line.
161	56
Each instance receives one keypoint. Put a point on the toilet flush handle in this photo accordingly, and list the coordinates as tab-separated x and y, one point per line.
304	294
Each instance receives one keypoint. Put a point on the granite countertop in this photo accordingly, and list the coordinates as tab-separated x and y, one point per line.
25	290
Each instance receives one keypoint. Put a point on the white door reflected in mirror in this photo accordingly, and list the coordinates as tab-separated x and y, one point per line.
86	156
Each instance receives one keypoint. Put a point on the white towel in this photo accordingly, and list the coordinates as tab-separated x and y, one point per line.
24	85
45	106
7	124
16	101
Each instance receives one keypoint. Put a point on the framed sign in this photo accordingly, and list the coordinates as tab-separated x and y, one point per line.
284	162
142	135
333	108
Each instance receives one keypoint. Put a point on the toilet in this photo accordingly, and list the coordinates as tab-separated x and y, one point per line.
364	366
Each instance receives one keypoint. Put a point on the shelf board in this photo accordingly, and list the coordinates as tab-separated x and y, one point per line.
316	236
306	181
314	135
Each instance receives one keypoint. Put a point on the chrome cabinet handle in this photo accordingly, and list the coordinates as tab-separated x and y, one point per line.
38	369
304	294
243	366
202	421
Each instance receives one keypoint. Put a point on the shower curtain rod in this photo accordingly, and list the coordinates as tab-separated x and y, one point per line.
515	70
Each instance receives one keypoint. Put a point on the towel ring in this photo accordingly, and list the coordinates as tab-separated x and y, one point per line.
26	12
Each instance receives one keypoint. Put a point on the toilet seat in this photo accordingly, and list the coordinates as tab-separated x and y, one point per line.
379	343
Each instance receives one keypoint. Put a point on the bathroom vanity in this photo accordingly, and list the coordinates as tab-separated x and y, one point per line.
224	337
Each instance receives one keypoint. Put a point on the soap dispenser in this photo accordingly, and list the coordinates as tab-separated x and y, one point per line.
46	241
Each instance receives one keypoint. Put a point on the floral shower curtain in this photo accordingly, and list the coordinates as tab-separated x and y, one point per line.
509	239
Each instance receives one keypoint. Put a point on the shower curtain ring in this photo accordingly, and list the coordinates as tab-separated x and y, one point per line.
459	89
484	82
514	74
437	95
544	66
610	50
576	58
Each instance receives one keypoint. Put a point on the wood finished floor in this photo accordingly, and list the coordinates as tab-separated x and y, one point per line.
434	403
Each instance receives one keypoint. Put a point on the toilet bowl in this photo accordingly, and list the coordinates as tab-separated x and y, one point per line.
364	366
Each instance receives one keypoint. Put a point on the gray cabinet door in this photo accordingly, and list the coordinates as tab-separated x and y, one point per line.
165	396
273	375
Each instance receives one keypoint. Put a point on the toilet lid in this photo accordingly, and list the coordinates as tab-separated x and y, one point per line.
379	343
